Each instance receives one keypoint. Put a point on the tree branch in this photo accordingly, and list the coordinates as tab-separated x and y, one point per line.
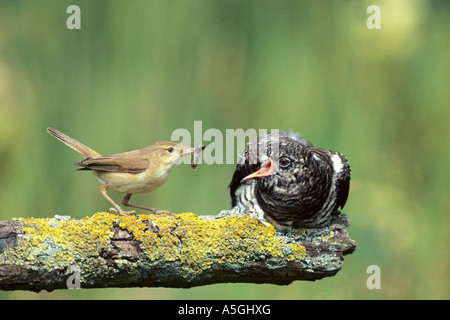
179	250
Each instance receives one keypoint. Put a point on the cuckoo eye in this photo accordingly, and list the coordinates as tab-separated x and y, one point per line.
170	149
284	162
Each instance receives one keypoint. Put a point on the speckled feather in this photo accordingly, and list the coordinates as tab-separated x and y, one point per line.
302	194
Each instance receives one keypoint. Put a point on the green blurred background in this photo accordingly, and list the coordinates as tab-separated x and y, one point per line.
138	70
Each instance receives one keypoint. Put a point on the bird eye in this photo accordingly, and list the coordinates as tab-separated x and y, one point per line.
284	162
170	149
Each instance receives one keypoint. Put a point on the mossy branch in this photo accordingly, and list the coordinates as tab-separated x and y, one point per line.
180	251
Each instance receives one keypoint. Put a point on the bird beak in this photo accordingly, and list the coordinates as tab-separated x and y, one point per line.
265	171
186	151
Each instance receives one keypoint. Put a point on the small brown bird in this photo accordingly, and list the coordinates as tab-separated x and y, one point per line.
137	171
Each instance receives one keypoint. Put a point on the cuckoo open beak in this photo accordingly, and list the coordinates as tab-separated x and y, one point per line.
266	170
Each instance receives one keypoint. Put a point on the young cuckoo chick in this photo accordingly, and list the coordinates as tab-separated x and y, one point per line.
289	182
137	171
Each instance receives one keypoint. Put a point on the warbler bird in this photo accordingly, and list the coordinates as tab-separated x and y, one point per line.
136	171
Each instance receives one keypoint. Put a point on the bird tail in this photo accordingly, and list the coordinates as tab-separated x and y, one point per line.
74	144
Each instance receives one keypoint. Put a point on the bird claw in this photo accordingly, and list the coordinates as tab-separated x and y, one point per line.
162	212
123	213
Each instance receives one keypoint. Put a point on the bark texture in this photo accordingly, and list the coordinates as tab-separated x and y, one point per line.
179	250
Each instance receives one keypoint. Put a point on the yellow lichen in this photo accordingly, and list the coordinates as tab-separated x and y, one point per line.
327	236
298	252
60	242
194	242
197	242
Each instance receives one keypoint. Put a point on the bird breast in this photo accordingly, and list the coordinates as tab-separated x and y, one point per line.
133	182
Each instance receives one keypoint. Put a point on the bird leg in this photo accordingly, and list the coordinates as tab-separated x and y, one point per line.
118	209
126	203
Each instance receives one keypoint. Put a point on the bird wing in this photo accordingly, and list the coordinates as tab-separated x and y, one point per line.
128	162
343	183
343	178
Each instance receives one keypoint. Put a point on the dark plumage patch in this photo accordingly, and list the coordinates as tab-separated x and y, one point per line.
110	164
304	189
